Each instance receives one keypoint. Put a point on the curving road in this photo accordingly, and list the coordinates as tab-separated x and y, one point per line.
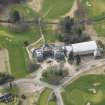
57	89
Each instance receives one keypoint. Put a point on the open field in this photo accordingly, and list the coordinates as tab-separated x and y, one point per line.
50	36
44	97
35	4
17	52
24	10
85	90
14	42
56	8
4	61
100	28
52	103
95	9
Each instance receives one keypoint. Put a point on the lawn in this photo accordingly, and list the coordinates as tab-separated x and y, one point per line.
44	97
53	75
50	36
52	103
100	28
24	10
56	8
95	9
17	53
14	42
80	92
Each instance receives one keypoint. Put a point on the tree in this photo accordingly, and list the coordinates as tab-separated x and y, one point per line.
101	44
53	97
33	66
15	16
4	78
45	74
5	3
26	43
60	72
1	8
66	24
19	27
71	58
78	59
79	32
71	31
23	96
10	85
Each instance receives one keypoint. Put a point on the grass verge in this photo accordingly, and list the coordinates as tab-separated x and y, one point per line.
82	90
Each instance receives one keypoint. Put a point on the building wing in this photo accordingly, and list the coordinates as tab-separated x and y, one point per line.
84	47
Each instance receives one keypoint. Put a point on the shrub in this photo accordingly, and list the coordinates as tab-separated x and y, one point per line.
33	67
54	75
4	78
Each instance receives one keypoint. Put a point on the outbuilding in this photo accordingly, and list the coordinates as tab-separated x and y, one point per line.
38	53
58	53
84	48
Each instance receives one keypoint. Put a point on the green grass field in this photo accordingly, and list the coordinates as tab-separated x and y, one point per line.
44	97
52	103
14	42
17	53
56	8
95	9
24	10
100	28
78	93
50	36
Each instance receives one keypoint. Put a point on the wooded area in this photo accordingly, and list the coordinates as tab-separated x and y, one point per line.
4	3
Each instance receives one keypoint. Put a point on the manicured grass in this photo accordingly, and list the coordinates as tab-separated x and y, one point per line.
97	12
54	75
78	92
52	79
50	36
44	97
57	8
52	103
14	42
97	7
100	28
24	10
17	53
